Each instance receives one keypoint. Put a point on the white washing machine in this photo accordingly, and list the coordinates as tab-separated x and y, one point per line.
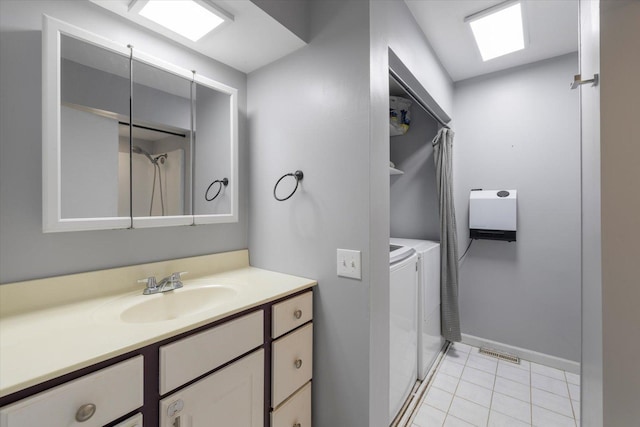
430	340
403	326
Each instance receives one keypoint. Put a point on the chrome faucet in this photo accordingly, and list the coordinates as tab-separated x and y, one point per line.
168	283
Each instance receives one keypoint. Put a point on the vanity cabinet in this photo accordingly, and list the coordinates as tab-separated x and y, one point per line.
92	401
292	362
251	369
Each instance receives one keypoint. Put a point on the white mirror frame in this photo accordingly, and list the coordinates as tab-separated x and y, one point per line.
52	220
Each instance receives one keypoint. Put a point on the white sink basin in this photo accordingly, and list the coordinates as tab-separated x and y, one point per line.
170	305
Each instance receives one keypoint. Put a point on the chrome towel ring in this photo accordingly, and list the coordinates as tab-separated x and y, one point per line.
221	182
298	175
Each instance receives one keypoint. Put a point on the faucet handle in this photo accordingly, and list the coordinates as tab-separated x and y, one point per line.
177	275
151	283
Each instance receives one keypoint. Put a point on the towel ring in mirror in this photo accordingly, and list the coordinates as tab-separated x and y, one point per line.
220	182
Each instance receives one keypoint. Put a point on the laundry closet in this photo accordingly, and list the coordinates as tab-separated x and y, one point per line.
415	337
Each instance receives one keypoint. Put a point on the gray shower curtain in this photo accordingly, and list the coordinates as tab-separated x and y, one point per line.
450	317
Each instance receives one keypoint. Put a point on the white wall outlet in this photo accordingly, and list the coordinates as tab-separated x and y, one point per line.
349	263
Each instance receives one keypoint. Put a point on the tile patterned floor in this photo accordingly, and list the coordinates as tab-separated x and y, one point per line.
470	389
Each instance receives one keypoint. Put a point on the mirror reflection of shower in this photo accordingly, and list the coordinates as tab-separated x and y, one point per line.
157	172
158	182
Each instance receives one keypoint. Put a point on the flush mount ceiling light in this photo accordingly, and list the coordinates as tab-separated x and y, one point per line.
498	30
189	18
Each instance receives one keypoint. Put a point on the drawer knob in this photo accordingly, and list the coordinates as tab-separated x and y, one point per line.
298	363
85	412
297	314
297	425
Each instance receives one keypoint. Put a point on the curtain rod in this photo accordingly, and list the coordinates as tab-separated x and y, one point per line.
154	129
416	98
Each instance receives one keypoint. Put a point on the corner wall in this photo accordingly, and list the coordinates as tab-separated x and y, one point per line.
519	129
310	111
27	253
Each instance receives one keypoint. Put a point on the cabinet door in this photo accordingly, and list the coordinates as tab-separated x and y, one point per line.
231	397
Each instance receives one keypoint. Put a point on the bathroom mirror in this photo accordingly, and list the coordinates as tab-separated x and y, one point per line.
132	141
160	145
213	189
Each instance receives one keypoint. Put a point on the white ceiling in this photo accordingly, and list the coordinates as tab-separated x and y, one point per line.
551	27
252	40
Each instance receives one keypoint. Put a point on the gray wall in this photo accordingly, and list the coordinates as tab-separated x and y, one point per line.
519	129
27	253
620	163
317	111
309	111
414	198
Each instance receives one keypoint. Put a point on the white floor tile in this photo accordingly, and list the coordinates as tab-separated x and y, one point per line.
450	368
458	346
572	378
514	374
439	399
513	389
496	419
474	393
471	389
549	384
478	377
469	411
445	382
547	371
574	392
452	421
482	363
428	416
512	407
545	418
457	357
552	402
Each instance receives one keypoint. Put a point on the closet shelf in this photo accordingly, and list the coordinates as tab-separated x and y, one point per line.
394	171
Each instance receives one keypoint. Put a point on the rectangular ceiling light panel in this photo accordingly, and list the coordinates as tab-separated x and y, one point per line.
498	31
188	18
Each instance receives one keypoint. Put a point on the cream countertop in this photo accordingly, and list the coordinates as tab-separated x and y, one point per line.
38	344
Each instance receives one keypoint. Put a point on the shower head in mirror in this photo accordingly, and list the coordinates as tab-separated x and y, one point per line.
136	149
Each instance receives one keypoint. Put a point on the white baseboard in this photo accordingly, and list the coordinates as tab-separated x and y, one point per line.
523	353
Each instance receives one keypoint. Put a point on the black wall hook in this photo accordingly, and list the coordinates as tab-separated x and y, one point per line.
221	182
298	175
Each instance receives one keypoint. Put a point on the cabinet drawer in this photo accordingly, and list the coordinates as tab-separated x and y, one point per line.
190	357
294	412
292	313
292	363
114	391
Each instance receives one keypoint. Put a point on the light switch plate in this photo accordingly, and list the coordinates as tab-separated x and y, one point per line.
349	263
